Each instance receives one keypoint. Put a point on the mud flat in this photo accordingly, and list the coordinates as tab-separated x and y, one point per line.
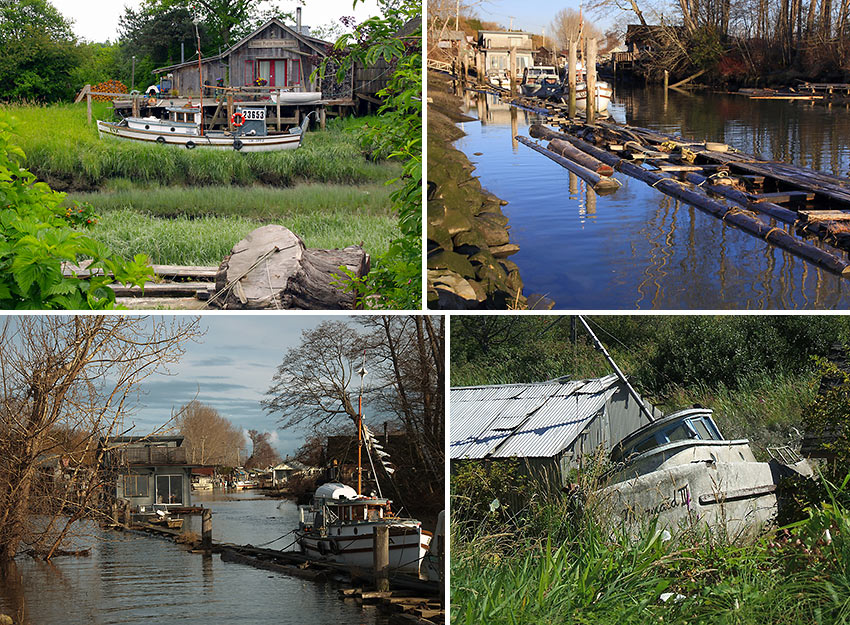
468	243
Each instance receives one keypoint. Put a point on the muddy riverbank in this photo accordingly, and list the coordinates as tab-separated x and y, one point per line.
468	242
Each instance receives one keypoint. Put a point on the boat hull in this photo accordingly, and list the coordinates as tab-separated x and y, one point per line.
603	96
736	499
211	140
408	545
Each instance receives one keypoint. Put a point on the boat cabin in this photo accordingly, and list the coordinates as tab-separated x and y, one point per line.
692	425
335	504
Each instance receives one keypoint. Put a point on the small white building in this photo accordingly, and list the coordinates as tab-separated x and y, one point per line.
496	46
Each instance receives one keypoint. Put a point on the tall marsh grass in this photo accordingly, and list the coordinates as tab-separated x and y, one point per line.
580	571
65	151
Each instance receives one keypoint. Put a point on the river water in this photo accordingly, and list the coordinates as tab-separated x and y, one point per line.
638	248
135	579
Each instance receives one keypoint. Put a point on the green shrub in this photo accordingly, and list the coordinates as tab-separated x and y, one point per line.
38	233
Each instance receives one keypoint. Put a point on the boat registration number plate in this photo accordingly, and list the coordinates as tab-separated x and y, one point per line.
254	114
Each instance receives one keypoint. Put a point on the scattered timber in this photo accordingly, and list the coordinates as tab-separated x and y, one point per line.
270	268
600	183
628	151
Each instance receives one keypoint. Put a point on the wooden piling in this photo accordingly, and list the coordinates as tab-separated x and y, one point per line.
512	77
206	530
88	105
591	81
479	67
278	112
666	80
571	78
381	557
230	111
136	111
322	117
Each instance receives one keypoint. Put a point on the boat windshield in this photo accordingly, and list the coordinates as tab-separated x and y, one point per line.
698	427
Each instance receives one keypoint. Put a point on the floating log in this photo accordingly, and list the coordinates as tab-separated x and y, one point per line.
568	150
272	268
734	215
599	183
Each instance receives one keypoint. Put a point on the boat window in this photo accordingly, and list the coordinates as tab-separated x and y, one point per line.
678	433
699	426
645	445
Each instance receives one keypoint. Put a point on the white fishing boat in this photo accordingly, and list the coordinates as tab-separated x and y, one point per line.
603	96
339	525
183	128
681	470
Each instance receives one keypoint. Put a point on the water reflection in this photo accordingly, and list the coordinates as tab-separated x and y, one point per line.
134	579
638	248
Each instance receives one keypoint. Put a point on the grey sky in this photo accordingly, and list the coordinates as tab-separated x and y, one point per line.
97	20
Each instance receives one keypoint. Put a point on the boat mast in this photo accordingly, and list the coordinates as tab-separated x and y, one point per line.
200	76
362	374
620	374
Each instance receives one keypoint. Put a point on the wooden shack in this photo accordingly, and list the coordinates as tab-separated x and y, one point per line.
274	55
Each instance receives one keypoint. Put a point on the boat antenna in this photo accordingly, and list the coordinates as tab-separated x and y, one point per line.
362	373
620	374
200	74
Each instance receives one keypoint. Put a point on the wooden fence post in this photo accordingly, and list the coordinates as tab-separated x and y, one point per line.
571	77
88	105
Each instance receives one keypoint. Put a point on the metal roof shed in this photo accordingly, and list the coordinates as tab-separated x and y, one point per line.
550	425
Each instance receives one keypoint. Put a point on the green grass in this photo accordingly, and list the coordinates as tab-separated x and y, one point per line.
63	150
580	571
206	240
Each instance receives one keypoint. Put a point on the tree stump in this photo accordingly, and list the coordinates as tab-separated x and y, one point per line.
272	268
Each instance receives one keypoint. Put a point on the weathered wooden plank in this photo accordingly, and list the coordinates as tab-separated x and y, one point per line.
780	197
162	289
824	215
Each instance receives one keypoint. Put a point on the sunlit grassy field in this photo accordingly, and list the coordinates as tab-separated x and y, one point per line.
183	206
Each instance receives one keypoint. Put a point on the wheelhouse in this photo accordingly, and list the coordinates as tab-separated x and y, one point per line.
694	425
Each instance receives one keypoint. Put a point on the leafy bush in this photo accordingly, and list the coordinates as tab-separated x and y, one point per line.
38	233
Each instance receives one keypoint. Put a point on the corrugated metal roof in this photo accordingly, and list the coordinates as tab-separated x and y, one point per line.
525	420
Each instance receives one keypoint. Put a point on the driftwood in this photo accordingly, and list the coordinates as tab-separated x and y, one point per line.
271	268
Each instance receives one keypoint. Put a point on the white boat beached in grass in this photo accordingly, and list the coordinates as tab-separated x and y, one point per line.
681	470
183	128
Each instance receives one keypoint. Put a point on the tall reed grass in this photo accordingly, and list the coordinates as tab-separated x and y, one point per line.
573	569
65	151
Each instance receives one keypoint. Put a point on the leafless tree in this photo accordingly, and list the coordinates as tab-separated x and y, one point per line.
67	384
210	438
570	25
317	381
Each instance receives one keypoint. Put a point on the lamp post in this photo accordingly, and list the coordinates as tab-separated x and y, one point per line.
133	75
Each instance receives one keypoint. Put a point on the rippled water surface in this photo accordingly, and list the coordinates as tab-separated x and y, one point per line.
638	248
133	579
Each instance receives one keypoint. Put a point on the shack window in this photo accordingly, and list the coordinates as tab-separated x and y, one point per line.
294	77
249	72
135	485
169	489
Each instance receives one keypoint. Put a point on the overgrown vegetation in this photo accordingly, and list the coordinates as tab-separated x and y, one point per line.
522	554
757	372
38	233
395	280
